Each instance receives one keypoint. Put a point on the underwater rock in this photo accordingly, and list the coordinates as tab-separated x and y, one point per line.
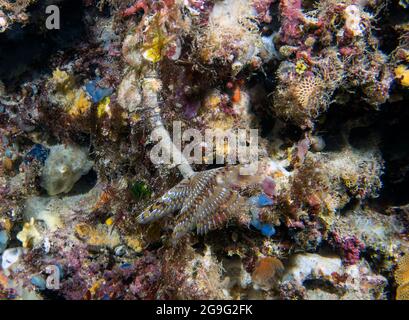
3	22
352	15
313	67
320	88
10	257
45	210
235	276
63	168
129	93
325	277
311	266
231	35
380	233
200	278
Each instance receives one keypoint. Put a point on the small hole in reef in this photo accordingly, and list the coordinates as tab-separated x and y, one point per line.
324	285
27	49
359	137
85	184
307	4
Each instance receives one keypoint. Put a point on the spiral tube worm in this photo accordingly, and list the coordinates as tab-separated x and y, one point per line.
151	86
146	101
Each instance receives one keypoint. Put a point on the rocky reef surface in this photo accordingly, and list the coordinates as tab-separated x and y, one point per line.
86	212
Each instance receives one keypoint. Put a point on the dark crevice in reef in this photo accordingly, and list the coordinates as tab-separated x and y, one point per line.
390	16
324	285
85	184
388	127
333	124
274	24
393	125
359	137
26	50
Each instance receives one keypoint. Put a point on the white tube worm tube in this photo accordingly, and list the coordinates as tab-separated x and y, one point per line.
151	86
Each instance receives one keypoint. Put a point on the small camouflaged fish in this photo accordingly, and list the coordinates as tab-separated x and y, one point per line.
206	201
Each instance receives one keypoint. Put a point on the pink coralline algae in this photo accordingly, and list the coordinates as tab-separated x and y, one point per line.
292	17
350	248
302	149
138	5
263	9
146	283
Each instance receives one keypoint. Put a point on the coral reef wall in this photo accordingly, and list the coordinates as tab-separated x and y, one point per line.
86	212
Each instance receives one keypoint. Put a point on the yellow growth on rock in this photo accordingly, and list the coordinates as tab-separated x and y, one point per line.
402	293
300	67
402	74
103	107
95	286
67	94
29	235
63	81
81	104
153	49
134	243
6	224
109	221
402	278
100	236
402	273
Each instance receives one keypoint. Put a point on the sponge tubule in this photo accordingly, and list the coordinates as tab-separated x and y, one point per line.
63	168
